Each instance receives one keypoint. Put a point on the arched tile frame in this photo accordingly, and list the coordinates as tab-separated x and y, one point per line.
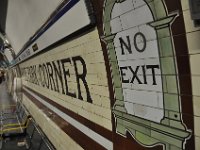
171	131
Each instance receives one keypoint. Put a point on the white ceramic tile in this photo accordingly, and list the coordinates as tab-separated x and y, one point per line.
115	25
151	51
143	98
129	108
128	20
148	31
148	113
119	55
121	8
137	17
160	101
138	3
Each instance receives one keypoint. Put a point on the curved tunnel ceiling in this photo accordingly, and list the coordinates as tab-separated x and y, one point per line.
20	19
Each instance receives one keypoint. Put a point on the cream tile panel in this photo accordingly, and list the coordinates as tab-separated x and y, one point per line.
197	125
89	48
193	42
60	140
97	98
194	63
197	143
78	106
196	103
75	43
185	4
196	85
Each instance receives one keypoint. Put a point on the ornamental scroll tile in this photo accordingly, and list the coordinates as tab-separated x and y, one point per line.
144	72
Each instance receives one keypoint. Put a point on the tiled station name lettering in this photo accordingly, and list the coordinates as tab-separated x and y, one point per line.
54	75
126	47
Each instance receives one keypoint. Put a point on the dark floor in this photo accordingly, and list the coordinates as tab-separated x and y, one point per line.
31	138
7	104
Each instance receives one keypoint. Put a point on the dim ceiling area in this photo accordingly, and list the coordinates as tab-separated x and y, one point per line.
19	21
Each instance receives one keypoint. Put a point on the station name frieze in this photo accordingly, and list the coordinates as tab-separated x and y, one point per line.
55	76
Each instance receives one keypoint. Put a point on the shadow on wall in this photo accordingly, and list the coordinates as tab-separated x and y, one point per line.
2	76
3	14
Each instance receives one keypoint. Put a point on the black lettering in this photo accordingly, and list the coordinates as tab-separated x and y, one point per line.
123	74
135	74
35	75
153	67
82	77
127	46
40	75
58	74
144	42
46	76
66	73
50	72
144	74
29	74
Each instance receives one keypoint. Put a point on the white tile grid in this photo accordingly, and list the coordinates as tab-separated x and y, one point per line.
121	8
129	108
151	51
139	16
128	5
138	3
148	31
147	112
115	25
150	99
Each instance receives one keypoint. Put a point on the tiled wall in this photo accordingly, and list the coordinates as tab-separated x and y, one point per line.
132	106
58	138
98	111
193	36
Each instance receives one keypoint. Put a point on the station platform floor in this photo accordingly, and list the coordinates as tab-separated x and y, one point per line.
8	104
18	130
